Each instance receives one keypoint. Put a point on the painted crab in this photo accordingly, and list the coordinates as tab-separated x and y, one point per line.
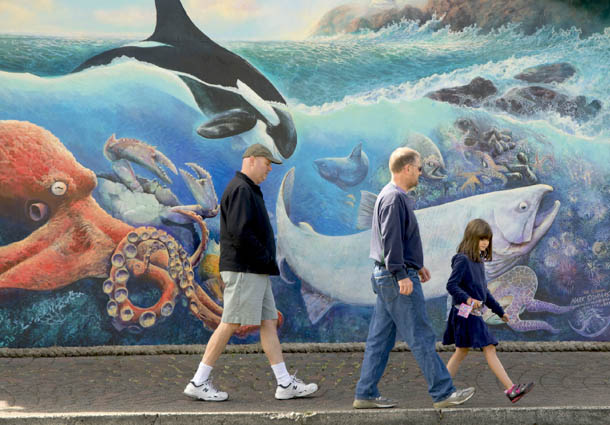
42	183
141	201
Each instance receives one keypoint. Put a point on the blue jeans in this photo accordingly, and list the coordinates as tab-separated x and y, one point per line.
403	316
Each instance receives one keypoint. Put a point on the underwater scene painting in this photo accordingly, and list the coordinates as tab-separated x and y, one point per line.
116	146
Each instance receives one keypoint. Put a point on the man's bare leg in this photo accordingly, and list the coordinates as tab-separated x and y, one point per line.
271	342
218	341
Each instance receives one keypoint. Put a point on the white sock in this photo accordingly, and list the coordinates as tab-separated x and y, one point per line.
281	374
202	374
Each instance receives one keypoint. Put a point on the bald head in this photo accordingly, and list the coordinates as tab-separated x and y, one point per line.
401	157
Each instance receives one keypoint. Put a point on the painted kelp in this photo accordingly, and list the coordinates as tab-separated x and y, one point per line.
439	90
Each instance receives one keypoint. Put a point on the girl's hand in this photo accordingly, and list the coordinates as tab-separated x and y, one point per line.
505	318
474	303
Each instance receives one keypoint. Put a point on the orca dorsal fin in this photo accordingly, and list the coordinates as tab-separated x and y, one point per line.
174	25
356	152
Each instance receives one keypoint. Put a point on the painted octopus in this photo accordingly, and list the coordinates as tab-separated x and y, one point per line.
515	291
42	184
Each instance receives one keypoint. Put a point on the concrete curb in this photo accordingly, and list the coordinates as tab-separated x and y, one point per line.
139	350
505	416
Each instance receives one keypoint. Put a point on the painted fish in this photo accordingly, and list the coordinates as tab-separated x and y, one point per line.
433	165
347	171
339	266
209	270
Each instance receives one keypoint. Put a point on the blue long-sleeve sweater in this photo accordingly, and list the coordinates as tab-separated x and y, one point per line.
468	280
395	239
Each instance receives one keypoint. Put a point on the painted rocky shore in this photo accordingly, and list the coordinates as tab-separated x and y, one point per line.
589	16
528	100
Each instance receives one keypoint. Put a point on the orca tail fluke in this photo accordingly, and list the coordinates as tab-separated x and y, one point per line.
173	24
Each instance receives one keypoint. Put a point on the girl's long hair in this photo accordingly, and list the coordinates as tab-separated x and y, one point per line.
476	230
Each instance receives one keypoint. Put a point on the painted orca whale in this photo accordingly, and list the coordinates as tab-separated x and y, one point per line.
228	89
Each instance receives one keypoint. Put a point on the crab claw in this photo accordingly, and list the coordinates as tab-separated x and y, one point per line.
203	191
124	150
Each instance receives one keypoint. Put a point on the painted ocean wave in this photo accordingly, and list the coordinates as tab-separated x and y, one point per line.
323	70
49	55
502	76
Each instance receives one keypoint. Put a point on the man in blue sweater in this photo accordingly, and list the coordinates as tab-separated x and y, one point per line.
247	259
400	310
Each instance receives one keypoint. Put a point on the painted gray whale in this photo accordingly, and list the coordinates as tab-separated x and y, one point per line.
228	89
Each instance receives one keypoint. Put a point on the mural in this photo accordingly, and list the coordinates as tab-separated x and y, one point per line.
101	244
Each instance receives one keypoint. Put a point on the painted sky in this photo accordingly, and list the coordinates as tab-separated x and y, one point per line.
219	19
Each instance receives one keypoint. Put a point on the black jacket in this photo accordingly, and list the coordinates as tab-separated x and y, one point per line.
246	236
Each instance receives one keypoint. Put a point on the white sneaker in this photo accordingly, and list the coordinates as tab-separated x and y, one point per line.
205	391
296	388
455	399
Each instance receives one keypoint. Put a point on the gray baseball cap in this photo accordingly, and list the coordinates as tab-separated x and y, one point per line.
259	150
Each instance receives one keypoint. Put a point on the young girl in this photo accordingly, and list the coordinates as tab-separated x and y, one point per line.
467	285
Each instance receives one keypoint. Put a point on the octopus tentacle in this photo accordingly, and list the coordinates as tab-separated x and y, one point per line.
195	259
145	253
153	254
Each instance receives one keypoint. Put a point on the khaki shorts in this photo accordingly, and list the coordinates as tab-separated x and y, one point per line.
248	298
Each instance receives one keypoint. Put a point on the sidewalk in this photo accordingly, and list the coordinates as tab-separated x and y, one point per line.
571	388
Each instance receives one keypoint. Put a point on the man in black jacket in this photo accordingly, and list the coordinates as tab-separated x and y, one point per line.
247	259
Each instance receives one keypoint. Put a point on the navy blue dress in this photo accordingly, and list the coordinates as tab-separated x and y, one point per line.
468	280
